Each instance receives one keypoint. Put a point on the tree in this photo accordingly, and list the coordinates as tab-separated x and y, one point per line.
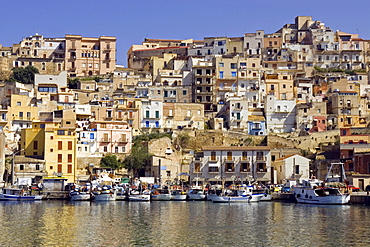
111	161
73	83
25	75
138	159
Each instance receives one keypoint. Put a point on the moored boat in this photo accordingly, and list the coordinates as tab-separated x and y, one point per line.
80	194
139	196
178	195
314	192
105	193
17	194
196	195
160	195
241	196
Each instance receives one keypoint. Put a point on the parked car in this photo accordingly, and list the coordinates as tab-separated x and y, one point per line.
354	188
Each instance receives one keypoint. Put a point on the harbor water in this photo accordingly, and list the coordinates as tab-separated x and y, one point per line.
169	223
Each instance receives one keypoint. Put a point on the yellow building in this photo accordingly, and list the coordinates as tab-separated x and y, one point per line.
54	144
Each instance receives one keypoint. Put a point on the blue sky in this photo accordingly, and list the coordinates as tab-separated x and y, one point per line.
133	21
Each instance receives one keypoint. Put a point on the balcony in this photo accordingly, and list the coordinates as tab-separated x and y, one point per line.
122	140
229	159
261	158
105	140
244	159
213	159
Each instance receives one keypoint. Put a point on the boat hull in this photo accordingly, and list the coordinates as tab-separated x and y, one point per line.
179	197
309	196
139	198
5	197
236	199
105	197
81	196
161	197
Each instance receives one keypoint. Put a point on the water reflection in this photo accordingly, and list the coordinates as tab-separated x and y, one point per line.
62	223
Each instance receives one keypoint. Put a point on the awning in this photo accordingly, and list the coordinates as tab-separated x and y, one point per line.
214	179
229	179
262	179
199	179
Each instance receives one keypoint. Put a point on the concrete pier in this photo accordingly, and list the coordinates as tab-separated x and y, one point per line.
360	198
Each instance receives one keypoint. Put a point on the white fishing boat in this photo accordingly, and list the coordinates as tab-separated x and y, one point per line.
196	195
160	195
17	194
178	195
139	196
105	193
80	194
315	191
241	196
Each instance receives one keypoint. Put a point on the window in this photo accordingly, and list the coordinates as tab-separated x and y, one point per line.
60	157
35	144
60	168
60	145
21	114
233	74
221	64
156	114
69	168
297	169
19	103
213	155
221	74
37	167
69	158
147	114
60	132
69	145
233	65
197	167
184	92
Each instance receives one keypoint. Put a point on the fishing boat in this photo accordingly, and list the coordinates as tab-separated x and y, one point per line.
104	193
240	195
80	194
17	194
160	195
139	196
178	195
196	195
315	191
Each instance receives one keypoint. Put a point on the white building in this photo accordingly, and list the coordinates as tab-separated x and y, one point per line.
280	115
230	164
292	167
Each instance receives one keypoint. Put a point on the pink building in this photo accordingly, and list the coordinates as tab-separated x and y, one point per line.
319	125
113	136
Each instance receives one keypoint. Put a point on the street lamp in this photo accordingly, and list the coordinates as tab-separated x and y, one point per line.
14	153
